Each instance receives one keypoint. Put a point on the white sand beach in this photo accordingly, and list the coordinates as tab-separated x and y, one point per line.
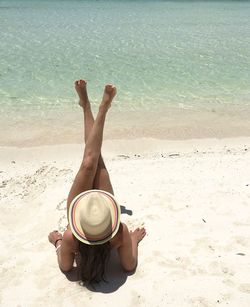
192	196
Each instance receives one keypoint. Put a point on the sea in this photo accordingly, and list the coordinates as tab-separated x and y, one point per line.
181	68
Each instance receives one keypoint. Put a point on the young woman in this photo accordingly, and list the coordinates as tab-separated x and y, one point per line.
93	213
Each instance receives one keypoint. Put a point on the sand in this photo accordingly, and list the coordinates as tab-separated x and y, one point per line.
192	196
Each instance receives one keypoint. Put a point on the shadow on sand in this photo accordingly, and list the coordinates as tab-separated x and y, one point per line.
115	276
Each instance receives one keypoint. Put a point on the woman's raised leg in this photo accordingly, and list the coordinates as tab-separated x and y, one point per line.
102	179
85	177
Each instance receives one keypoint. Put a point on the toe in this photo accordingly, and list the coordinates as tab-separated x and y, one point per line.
108	87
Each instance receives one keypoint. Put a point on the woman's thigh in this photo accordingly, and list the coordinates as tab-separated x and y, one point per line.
82	182
102	181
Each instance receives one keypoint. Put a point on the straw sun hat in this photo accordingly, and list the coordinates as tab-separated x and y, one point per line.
94	217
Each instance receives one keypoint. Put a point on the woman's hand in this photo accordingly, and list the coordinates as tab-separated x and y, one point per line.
64	250
54	236
138	234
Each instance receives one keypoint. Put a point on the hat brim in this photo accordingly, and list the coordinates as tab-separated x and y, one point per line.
79	233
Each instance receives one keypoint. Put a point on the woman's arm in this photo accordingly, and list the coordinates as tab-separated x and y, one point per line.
128	251
64	249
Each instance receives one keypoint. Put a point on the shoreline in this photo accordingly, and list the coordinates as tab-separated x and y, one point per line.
66	126
147	146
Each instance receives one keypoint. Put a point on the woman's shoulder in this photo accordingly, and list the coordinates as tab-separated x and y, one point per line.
118	239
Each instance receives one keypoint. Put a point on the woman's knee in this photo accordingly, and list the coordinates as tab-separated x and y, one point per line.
89	163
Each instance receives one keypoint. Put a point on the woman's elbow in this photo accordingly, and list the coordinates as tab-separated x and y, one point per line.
65	268
130	267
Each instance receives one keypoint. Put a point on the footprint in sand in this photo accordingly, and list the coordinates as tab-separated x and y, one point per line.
244	241
229	283
62	205
62	223
244	288
152	217
216	268
201	302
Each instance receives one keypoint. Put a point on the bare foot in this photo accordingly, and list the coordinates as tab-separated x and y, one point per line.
81	89
138	234
108	95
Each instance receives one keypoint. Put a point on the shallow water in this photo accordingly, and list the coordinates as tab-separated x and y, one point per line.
160	54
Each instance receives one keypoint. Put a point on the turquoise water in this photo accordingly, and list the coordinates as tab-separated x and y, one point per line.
160	54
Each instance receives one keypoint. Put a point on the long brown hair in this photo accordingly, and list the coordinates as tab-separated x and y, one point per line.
93	261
